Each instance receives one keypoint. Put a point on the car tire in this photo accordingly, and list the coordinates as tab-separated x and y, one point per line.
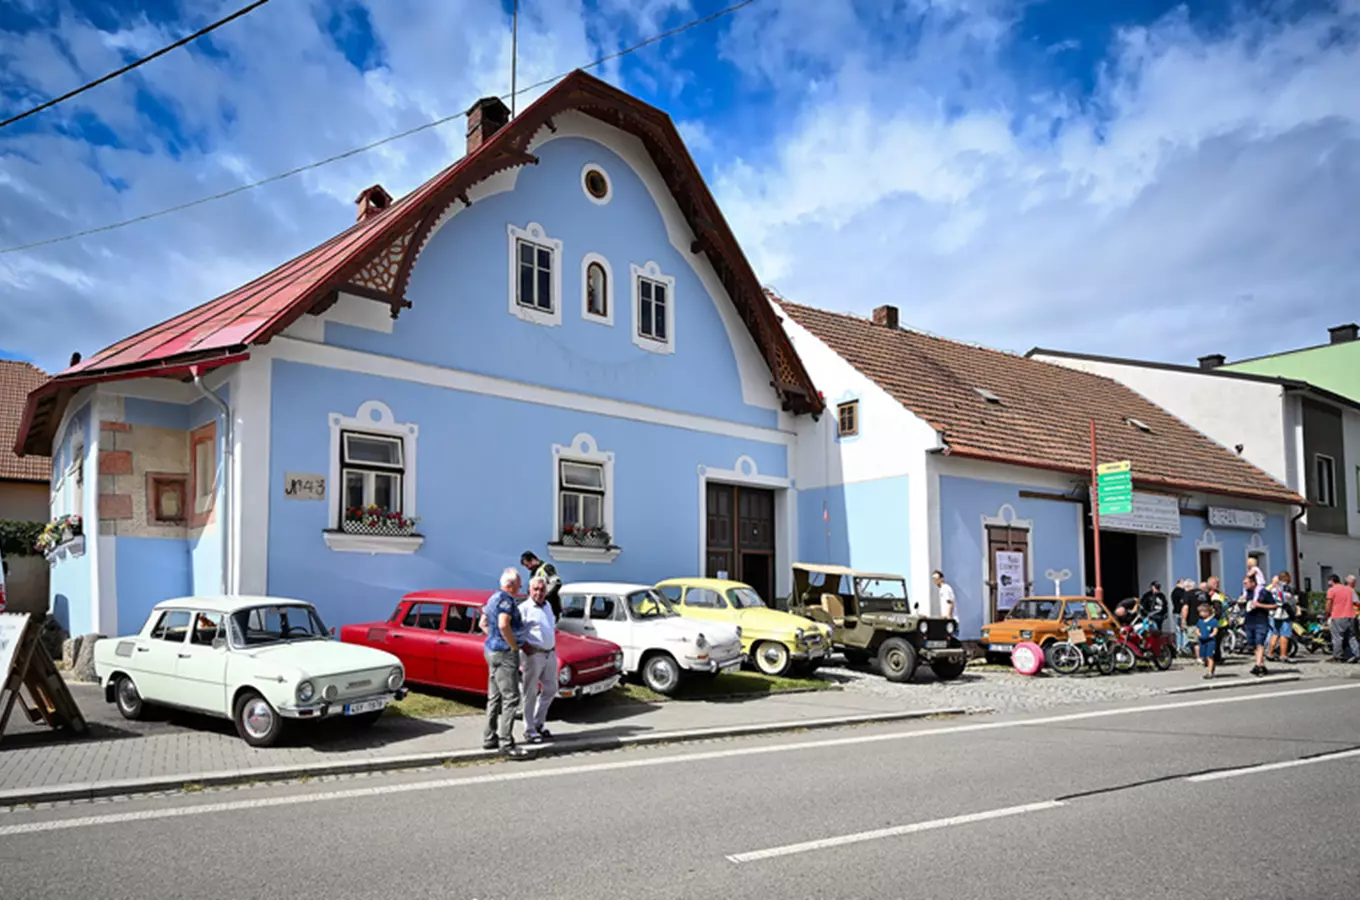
771	658
258	723
949	669
661	674
897	660
127	699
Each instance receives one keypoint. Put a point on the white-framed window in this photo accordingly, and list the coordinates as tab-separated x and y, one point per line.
597	289
653	309
1324	479
847	418
535	275
373	461
75	476
371	470
596	184
583	487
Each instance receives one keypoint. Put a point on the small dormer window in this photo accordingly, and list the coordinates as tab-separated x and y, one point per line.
1140	425
988	396
847	419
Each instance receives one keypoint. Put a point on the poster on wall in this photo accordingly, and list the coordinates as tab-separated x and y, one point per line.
1010	578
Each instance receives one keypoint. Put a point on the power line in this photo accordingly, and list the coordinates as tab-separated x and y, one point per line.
132	65
367	147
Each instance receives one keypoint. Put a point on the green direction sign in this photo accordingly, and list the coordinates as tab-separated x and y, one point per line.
1114	483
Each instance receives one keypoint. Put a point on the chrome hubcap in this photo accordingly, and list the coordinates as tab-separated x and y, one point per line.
258	718
896	660
772	655
663	673
127	693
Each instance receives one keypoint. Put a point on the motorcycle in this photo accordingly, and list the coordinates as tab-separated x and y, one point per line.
1069	656
1142	641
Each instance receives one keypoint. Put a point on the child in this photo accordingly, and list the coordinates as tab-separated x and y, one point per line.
1208	637
1254	571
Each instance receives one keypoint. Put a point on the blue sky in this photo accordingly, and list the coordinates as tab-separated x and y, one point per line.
1136	177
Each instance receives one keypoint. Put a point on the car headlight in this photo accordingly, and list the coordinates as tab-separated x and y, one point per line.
564	675
951	627
618	660
922	627
701	642
330	692
395	678
305	692
799	634
1026	635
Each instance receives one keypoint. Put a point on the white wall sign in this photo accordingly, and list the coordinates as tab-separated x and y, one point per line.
301	486
1224	517
11	630
1010	578
1152	514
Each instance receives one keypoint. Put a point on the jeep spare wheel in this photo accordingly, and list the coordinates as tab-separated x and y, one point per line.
1027	658
897	659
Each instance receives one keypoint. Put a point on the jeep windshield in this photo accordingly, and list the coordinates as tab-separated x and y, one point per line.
1035	609
258	625
881	594
649	604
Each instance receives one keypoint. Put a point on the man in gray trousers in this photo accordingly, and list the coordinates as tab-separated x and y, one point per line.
505	632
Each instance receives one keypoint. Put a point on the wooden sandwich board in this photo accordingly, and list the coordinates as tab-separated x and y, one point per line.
27	667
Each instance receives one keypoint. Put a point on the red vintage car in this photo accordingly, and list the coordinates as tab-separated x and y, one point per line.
436	636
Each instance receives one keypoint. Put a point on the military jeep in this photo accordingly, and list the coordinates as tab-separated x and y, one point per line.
870	617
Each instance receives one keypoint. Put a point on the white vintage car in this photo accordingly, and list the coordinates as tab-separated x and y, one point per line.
254	660
657	642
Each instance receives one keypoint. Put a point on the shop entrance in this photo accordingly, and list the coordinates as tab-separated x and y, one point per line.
740	532
1118	564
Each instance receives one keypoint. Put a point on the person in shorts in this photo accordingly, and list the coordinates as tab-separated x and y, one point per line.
1257	607
1281	618
1208	637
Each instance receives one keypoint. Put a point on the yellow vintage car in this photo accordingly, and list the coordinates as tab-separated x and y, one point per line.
773	641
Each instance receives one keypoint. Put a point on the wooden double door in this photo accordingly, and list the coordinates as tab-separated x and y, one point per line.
741	536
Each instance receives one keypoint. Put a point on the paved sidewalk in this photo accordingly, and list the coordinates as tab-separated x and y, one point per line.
169	755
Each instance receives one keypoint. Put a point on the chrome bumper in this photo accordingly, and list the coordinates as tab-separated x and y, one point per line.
713	665
803	654
589	690
324	709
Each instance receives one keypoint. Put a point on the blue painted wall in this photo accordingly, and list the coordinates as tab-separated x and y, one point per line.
149	570
1233	543
70	586
484	483
867	526
1054	540
459	293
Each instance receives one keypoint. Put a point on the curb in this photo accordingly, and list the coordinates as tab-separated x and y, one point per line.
154	784
1227	685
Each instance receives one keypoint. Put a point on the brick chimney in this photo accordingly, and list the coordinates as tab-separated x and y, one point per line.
371	201
485	117
1212	361
886	316
1342	334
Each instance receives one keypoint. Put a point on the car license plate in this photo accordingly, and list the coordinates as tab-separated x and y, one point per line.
1001	648
936	645
600	687
365	706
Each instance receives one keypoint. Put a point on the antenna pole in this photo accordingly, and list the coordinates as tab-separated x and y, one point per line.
514	54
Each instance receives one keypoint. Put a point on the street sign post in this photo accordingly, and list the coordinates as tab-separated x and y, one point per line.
1114	488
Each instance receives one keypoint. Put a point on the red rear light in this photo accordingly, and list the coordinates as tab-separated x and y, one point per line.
2	598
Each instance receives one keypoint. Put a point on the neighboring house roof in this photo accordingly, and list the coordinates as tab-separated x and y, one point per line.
17	380
373	258
1290	384
1044	411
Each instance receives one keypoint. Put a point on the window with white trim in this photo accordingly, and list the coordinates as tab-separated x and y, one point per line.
372	467
1324	480
581	494
534	284
535	275
653	309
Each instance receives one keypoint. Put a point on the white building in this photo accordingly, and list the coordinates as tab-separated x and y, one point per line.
1304	436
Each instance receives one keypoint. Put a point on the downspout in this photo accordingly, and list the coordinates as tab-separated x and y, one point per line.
1294	534
226	475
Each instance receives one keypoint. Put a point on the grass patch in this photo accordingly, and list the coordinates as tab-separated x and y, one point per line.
726	685
417	705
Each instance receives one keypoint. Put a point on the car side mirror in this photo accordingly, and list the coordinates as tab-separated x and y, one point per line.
219	643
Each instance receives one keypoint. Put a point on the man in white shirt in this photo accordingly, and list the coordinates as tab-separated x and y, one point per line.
946	593
538	658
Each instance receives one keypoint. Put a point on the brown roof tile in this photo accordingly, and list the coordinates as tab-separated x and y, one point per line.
17	379
1045	410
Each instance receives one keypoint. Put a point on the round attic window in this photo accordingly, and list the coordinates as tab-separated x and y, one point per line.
596	183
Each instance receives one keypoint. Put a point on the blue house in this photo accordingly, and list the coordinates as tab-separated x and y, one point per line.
942	455
555	344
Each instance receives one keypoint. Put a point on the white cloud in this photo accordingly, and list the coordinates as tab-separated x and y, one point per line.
1202	200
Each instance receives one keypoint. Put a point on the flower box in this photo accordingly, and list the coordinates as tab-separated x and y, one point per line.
585	540
384	528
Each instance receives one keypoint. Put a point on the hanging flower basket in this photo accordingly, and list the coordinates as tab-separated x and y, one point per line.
578	536
60	531
376	521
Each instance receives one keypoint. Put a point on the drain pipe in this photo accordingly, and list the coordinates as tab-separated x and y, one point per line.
1294	535
221	404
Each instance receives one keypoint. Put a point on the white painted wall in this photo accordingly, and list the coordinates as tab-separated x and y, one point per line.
1230	411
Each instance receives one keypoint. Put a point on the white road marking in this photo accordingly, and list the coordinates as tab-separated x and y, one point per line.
620	765
897	831
1269	767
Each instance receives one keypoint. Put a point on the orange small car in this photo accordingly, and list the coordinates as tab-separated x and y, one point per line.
1044	620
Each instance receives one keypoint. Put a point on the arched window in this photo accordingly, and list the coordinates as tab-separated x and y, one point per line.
597	290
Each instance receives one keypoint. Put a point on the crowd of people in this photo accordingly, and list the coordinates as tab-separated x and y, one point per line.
1267	610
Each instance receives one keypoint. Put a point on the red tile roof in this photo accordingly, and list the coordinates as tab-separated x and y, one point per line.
17	380
1044	414
255	312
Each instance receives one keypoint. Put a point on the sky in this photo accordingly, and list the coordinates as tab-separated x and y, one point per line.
1133	177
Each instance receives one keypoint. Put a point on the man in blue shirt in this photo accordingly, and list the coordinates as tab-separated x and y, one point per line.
505	634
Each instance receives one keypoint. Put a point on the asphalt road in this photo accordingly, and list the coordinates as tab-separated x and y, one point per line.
1134	801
